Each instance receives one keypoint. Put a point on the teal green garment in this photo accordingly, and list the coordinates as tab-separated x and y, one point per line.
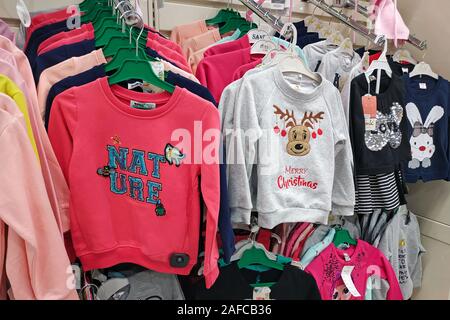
286	44
317	249
280	259
233	37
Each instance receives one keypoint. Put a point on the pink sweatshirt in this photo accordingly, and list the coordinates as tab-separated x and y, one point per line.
239	44
216	72
44	19
169	54
62	70
181	33
366	259
55	183
241	71
199	42
36	263
135	199
165	42
85	32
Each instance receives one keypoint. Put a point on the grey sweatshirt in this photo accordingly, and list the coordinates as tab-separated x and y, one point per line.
315	52
337	65
402	246
289	133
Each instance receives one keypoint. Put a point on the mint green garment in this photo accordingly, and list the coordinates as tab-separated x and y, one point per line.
317	249
286	45
233	37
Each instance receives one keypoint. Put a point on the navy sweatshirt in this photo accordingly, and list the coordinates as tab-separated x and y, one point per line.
427	110
61	54
69	82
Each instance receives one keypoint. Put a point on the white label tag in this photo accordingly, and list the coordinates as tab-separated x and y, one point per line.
423	86
405	70
134	85
158	69
346	257
142	105
261	293
371	123
297	264
256	35
346	275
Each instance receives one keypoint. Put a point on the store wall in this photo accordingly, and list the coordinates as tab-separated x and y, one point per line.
431	201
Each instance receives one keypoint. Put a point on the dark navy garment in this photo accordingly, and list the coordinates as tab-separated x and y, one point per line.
69	82
361	51
301	29
308	38
61	54
225	227
39	36
427	108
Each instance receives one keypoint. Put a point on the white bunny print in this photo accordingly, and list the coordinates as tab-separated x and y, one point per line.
422	144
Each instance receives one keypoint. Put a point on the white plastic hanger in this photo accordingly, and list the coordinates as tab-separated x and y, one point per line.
289	61
263	47
347	46
423	69
404	55
379	65
244	245
365	61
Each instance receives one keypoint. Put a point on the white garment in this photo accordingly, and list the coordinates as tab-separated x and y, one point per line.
315	52
338	63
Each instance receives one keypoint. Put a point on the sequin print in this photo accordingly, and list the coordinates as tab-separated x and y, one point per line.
387	130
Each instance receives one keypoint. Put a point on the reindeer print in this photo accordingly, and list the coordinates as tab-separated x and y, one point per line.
299	135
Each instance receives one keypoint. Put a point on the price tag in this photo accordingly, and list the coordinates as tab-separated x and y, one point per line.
255	35
369	104
261	293
346	275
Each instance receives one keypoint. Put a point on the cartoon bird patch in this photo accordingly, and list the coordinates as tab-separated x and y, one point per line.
173	155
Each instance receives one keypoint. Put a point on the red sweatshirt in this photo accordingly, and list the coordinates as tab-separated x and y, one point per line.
85	32
239	44
133	163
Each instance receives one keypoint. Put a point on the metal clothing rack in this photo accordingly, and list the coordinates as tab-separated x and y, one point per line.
356	26
420	44
129	13
264	14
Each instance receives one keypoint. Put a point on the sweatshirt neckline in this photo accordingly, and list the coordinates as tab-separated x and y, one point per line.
287	90
166	100
339	253
410	85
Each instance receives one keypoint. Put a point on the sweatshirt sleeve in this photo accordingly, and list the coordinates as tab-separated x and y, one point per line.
394	293
37	265
60	130
210	188
246	133
343	198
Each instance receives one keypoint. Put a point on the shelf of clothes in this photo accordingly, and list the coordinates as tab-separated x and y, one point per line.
88	116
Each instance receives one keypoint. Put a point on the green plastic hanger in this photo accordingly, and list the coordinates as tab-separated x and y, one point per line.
257	256
139	69
222	16
122	41
244	29
343	236
96	14
124	54
233	24
102	40
88	5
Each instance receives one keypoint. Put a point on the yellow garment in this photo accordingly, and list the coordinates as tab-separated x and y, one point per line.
8	87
